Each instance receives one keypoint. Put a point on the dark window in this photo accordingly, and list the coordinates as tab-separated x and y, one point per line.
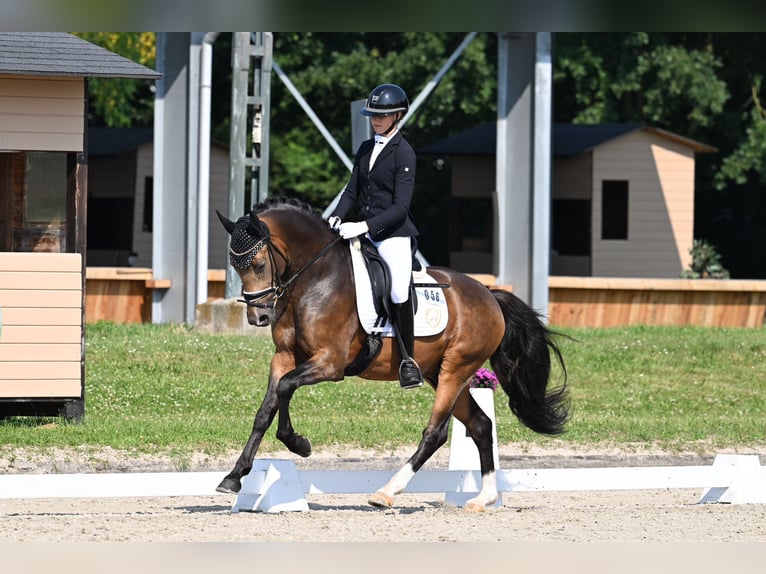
471	224
146	223
571	226
614	209
110	223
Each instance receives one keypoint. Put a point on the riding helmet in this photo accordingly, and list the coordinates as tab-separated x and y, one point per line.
386	99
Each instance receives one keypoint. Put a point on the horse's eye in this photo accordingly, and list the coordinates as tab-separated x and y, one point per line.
259	268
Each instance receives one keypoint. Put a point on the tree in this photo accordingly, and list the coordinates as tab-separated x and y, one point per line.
122	102
706	86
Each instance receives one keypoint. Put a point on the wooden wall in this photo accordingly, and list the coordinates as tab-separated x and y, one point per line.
613	302
41	114
120	294
660	173
41	348
121	297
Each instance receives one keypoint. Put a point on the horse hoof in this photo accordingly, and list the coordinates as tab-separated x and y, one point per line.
229	486
301	446
380	500
473	507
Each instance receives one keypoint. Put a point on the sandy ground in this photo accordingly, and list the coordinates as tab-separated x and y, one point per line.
611	516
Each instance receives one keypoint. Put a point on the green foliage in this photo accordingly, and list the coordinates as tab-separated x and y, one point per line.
171	389
750	155
333	69
706	262
706	86
122	102
637	77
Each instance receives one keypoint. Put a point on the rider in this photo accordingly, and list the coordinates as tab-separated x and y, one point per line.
381	186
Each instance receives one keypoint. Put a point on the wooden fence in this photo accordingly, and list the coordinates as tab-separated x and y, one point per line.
124	295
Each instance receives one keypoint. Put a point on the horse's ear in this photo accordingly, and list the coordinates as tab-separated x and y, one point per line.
227	223
257	228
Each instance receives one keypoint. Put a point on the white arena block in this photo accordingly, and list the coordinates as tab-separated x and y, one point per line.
747	484
271	486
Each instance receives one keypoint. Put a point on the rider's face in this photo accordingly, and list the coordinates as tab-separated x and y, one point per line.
381	123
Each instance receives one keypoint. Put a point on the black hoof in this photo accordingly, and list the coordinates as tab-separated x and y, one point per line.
229	485
296	443
301	446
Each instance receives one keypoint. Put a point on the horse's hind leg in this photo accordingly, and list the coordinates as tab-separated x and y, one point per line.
434	436
479	428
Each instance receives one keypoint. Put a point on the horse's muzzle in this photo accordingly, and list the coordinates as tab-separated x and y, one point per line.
258	318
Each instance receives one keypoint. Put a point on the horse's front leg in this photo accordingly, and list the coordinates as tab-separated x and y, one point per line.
315	370
232	482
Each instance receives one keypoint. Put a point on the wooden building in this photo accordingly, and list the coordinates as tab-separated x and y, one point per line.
120	198
622	200
43	196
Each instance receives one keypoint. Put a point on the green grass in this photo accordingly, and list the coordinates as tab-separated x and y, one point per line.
171	389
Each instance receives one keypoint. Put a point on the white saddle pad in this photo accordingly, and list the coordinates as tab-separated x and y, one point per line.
431	317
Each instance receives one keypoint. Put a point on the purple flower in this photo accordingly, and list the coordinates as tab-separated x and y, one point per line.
484	379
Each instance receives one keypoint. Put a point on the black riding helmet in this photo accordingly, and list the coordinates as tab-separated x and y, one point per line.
386	99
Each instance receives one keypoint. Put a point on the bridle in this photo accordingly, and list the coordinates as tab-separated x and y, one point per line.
278	287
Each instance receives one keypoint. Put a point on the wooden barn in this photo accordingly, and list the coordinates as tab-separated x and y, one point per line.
120	198
622	200
43	196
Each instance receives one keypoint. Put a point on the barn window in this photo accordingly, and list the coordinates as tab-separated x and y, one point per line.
614	209
570	226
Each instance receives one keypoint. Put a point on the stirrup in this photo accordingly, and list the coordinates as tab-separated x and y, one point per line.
410	376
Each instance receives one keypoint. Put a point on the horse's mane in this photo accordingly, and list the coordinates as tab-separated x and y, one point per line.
282	202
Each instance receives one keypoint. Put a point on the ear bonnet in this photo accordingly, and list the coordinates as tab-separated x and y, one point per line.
248	237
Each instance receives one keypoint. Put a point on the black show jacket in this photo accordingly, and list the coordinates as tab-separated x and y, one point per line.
382	196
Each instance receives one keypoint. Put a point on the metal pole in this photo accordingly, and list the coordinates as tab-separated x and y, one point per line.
314	118
240	68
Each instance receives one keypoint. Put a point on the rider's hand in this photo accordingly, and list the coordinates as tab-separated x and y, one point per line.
352	229
334	222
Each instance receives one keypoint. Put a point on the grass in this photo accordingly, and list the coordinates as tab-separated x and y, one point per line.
171	389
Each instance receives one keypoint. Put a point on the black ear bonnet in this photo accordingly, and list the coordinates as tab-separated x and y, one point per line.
249	236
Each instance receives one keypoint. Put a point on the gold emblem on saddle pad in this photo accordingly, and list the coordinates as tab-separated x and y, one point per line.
433	317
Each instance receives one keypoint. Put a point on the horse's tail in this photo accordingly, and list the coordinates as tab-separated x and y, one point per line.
522	364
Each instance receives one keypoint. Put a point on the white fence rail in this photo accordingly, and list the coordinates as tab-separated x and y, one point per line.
278	486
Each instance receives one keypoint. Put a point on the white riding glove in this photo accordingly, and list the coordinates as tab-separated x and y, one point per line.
352	229
334	222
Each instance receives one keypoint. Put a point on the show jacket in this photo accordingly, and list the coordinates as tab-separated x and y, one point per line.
382	195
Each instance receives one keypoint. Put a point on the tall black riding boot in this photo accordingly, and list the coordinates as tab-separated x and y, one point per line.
410	376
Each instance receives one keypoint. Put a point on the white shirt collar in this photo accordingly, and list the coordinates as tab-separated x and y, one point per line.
379	139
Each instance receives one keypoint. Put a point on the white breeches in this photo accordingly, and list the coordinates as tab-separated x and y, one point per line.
397	253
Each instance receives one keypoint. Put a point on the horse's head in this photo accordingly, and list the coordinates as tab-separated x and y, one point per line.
251	256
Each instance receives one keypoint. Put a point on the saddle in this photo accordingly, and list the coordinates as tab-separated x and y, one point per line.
377	273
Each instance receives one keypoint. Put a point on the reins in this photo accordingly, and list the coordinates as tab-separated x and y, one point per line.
251	298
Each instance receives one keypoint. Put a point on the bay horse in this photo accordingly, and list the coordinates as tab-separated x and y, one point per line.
297	277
